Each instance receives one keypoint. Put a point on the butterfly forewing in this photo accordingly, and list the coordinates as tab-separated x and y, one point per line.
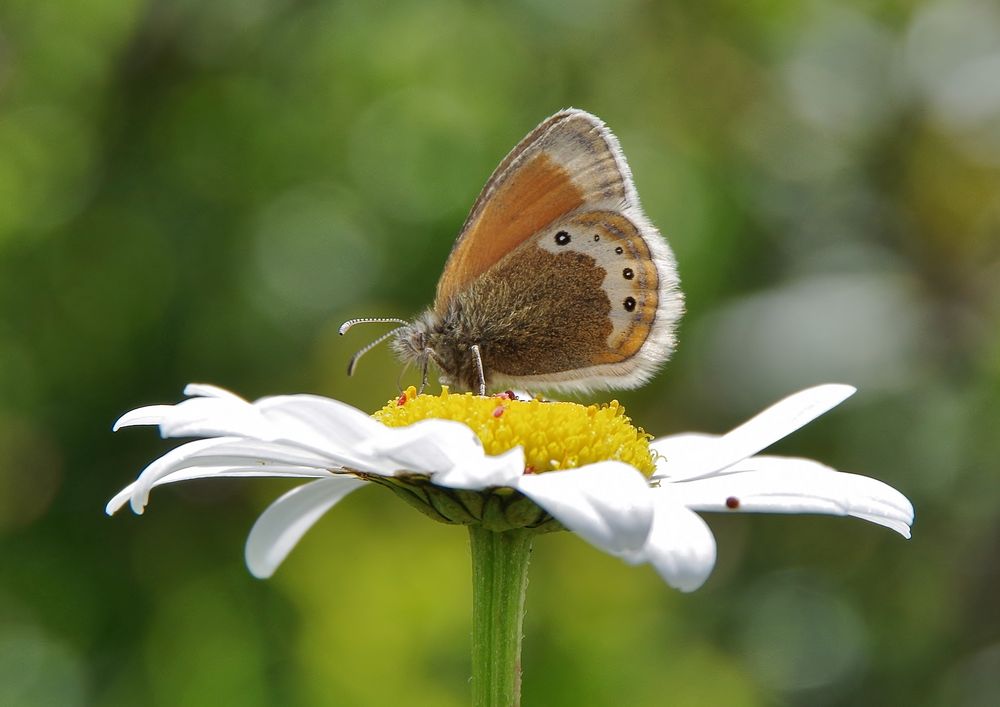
568	163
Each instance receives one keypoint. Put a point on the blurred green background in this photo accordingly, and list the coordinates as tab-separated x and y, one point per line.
203	191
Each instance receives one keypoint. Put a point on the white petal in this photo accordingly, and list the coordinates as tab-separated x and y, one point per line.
448	451
285	521
172	460
425	446
120	499
487	472
222	452
207	390
149	415
137	492
608	503
691	456
201	417
684	450
767	484
309	421
680	546
321	423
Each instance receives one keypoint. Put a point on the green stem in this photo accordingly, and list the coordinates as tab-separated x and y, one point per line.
499	583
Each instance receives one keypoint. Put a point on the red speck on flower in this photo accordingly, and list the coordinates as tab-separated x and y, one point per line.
529	469
732	503
498	411
402	400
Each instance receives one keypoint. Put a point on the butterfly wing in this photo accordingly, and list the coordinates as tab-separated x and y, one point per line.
569	161
568	283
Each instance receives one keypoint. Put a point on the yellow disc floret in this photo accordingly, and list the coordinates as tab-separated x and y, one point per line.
554	435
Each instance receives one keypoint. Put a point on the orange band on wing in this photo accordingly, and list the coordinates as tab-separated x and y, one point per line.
535	195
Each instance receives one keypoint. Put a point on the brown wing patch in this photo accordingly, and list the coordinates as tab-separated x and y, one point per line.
531	198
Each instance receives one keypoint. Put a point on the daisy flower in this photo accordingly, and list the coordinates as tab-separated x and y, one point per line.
508	469
505	463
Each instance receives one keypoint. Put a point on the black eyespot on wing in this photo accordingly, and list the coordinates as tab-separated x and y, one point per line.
628	274
629	304
562	238
597	237
619	250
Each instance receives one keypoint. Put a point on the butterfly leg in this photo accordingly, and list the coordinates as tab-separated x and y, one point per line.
479	368
423	377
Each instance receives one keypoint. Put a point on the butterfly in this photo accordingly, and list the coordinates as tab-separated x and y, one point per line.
557	279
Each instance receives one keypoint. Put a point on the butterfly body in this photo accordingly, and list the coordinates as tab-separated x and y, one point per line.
557	280
523	322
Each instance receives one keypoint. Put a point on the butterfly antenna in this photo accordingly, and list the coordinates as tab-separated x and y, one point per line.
346	326
353	363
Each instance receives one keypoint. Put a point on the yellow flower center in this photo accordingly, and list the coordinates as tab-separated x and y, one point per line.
554	435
